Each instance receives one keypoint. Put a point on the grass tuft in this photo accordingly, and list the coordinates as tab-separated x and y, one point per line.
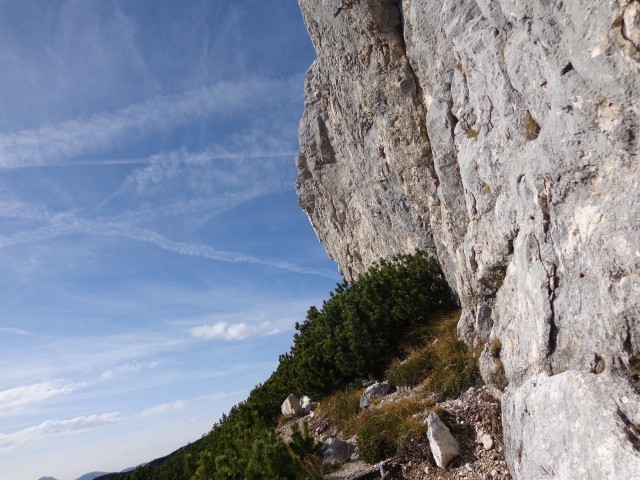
343	407
411	371
495	347
444	364
531	127
471	133
382	431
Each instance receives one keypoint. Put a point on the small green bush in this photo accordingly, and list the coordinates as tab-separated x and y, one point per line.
377	439
362	327
307	450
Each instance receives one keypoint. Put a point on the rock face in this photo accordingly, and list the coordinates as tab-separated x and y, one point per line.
502	136
364	147
547	410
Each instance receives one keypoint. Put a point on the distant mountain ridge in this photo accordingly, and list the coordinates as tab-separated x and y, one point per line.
153	463
86	476
91	475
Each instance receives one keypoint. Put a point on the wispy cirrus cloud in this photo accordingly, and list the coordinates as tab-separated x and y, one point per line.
194	170
165	407
15	331
51	143
18	398
18	210
89	361
210	205
182	404
255	184
152	159
51	428
127	368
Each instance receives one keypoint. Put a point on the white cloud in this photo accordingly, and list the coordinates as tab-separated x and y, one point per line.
128	368
49	428
51	143
182	404
18	398
165	407
194	169
15	209
15	331
233	331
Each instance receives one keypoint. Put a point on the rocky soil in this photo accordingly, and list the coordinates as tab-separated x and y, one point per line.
474	421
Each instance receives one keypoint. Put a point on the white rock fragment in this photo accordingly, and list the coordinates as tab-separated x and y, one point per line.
485	439
443	446
291	407
307	405
374	391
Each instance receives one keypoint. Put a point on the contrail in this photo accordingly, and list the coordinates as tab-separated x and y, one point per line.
141	161
70	225
99	132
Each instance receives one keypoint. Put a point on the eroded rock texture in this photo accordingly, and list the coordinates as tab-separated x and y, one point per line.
503	136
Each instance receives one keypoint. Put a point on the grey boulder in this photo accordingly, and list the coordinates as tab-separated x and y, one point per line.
336	451
376	390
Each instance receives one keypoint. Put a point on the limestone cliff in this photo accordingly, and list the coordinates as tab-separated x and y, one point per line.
503	136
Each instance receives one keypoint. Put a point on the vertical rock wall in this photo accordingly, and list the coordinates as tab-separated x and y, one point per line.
364	167
503	135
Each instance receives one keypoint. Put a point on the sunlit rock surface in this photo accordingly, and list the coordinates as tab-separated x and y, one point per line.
503	136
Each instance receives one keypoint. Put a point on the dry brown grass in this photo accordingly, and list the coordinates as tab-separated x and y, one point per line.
495	347
342	407
443	364
471	133
531	127
382	431
435	360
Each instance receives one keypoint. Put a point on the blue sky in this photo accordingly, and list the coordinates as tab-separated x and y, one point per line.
153	258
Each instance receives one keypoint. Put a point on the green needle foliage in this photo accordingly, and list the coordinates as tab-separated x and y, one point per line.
362	327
